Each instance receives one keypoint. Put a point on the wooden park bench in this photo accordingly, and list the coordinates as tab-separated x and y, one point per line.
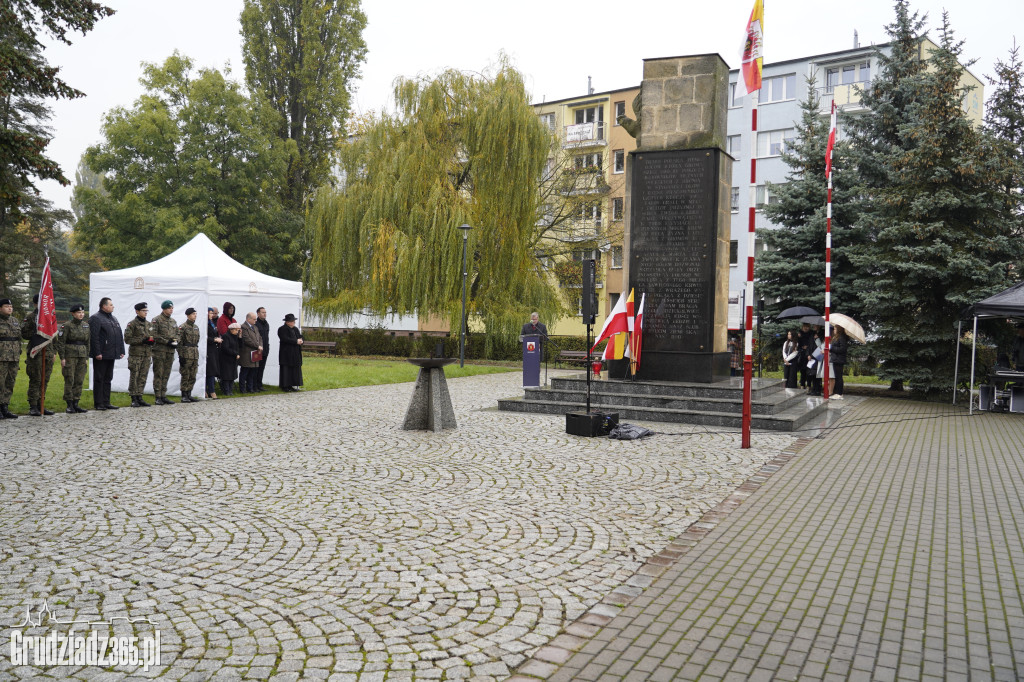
329	347
572	357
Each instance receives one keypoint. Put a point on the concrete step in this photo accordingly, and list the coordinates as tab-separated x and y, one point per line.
767	403
726	389
790	419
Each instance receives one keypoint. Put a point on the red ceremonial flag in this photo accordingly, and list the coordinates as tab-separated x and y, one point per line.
46	322
831	142
616	322
753	49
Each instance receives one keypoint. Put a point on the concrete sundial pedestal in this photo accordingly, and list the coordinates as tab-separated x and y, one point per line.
431	406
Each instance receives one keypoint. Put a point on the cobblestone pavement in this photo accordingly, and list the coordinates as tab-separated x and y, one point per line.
305	535
892	548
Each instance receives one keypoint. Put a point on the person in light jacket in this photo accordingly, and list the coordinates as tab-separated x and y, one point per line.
790	356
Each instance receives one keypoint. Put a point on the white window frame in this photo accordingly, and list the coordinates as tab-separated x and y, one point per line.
615	108
732	145
774	142
618	208
619	161
548	120
734	199
734	253
764	194
734	90
615	260
780	88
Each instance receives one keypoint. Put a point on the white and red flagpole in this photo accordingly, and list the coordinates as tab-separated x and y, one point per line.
753	47
828	245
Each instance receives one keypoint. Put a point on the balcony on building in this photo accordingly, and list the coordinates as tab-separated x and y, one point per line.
581	135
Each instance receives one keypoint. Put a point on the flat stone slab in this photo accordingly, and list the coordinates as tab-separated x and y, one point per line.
324	541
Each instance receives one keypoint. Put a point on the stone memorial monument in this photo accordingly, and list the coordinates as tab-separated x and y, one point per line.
677	218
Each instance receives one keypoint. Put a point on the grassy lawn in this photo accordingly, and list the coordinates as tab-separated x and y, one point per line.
319	373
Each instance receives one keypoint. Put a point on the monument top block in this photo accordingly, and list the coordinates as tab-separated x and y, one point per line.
684	101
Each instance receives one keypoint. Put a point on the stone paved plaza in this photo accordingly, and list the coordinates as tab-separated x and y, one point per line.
306	536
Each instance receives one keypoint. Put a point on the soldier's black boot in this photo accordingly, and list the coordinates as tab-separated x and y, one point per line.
135	401
70	409
79	409
167	401
47	412
186	397
33	411
6	414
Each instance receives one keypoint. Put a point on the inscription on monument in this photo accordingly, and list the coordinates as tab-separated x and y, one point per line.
673	246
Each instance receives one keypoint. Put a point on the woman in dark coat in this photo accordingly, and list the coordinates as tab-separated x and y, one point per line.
227	317
837	359
289	354
229	350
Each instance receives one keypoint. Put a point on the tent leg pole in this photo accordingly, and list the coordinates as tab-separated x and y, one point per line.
974	354
956	366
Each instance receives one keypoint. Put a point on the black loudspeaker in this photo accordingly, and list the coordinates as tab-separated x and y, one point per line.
589	302
590	424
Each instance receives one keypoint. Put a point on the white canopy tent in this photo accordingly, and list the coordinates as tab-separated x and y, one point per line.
198	275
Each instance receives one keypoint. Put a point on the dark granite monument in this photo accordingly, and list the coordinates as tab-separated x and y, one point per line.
677	230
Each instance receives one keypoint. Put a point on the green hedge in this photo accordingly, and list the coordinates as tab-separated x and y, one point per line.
380	342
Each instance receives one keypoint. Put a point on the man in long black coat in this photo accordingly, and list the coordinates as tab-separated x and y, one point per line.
290	354
263	327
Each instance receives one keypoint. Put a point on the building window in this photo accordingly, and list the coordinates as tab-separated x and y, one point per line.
620	110
590	211
732	146
588	162
773	142
847	74
587	254
548	120
778	88
617	204
616	257
735	94
592	115
620	161
734	199
734	252
766	195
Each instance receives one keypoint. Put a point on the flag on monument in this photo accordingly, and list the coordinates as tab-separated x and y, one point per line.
638	330
46	322
831	142
615	323
753	49
621	340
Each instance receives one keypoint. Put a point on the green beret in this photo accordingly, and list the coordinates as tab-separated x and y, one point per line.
166	304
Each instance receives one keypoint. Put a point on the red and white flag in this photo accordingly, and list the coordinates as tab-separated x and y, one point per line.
638	330
831	142
617	321
46	322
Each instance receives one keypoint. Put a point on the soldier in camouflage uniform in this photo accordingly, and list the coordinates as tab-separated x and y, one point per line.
139	337
10	354
72	346
165	336
34	365
188	355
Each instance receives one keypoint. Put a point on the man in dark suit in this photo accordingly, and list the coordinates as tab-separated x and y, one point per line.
106	344
537	328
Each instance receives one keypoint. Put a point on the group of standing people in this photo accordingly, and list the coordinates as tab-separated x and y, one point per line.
803	357
230	346
239	352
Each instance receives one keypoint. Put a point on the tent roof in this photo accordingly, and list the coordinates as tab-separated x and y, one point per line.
1008	303
200	264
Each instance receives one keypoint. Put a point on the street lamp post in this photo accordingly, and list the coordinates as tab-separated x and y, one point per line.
462	320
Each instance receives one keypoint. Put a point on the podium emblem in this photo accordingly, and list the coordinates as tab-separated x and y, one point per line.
531	346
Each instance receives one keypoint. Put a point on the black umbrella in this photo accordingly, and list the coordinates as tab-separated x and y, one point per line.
796	311
816	320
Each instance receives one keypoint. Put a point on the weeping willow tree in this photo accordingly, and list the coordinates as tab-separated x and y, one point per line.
459	149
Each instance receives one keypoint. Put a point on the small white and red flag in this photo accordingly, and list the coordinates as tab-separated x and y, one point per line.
831	142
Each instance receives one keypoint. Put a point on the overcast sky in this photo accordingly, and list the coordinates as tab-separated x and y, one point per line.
556	45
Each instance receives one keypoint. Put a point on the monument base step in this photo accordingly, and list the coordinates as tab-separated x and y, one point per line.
773	407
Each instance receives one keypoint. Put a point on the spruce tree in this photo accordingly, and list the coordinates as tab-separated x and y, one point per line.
792	271
934	242
1004	121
